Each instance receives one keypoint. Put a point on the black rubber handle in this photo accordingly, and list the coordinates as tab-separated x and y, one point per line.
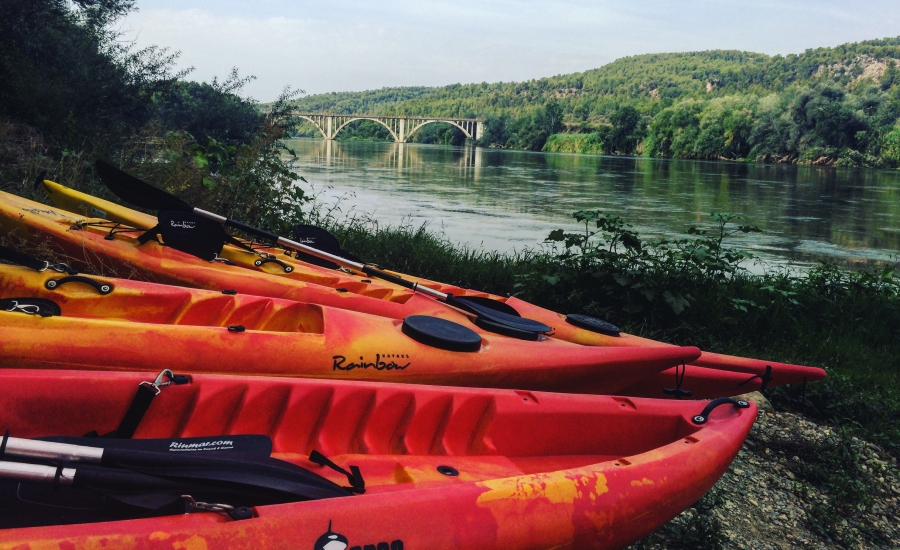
704	415
284	266
102	288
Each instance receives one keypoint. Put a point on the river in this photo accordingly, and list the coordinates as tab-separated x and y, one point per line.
510	200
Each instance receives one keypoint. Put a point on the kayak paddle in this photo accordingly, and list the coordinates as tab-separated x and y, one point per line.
159	478
138	192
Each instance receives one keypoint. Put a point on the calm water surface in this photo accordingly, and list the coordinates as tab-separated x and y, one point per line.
506	200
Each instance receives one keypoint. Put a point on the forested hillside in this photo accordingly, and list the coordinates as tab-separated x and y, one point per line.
826	105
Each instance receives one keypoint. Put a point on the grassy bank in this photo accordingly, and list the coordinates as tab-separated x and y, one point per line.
585	144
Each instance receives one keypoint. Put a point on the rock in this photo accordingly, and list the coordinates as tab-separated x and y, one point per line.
759	399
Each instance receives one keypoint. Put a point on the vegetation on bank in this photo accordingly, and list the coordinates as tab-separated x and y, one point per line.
825	106
72	92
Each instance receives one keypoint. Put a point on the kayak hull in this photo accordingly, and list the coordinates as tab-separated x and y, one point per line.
590	472
141	325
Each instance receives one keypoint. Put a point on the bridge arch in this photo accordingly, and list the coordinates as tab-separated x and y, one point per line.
400	127
315	123
416	128
373	119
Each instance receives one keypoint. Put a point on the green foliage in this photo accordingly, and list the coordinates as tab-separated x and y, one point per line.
439	134
211	111
64	73
248	180
824	106
586	144
72	92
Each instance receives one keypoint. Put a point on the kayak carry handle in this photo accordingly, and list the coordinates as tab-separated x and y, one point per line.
284	266
102	288
704	415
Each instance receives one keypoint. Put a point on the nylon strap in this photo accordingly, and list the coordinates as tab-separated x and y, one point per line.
357	484
139	406
149	234
135	413
14	257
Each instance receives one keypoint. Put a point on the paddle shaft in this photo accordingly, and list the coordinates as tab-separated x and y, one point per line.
512	321
287	243
139	192
49	450
17	471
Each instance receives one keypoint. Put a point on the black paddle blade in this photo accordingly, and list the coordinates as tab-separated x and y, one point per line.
320	239
259	445
512	321
137	191
276	479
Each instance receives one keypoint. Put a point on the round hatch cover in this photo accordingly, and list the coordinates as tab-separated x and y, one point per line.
441	333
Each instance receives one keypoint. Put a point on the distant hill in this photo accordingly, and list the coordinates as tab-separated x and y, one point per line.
635	105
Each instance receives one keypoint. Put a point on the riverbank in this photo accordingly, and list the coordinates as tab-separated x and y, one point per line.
795	484
820	467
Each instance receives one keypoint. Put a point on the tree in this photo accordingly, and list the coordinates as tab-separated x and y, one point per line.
63	72
626	131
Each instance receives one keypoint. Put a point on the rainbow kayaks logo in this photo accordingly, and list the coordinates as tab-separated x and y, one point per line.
336	541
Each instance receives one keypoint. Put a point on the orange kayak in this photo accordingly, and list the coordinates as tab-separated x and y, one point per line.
303	282
443	467
118	324
773	373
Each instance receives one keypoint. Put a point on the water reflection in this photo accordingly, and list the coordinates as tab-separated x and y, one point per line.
506	200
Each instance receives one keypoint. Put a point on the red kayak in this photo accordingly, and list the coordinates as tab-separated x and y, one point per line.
441	467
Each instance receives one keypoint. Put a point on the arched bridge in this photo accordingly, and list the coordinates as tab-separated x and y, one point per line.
400	127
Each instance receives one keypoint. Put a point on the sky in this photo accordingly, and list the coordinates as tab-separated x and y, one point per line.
352	45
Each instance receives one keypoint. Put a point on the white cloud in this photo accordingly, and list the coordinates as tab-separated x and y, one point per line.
355	44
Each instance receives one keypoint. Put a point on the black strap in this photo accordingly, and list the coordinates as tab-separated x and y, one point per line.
150	234
677	391
3	445
766	377
238	243
357	484
18	258
139	405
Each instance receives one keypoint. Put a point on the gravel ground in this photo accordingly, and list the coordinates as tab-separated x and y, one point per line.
795	483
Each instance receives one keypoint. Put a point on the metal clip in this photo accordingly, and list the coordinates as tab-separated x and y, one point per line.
29	309
240	512
59	268
156	384
218	258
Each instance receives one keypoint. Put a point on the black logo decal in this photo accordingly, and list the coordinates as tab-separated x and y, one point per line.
331	541
336	541
340	363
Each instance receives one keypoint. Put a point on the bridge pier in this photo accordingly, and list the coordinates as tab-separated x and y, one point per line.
401	128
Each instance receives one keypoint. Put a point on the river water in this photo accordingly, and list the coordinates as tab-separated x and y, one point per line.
510	200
